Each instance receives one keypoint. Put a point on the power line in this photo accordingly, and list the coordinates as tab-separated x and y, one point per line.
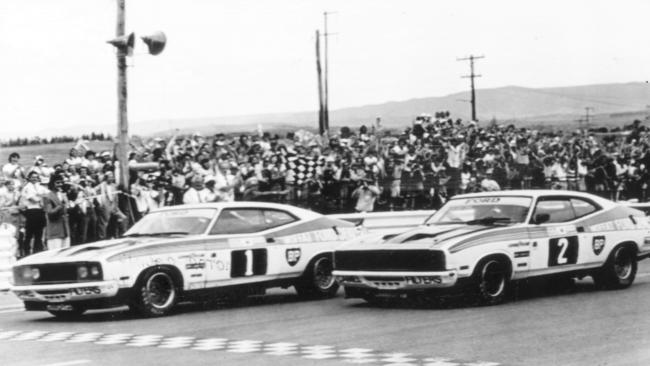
472	76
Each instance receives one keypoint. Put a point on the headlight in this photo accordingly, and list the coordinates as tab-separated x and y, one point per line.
82	272
27	273
94	271
36	273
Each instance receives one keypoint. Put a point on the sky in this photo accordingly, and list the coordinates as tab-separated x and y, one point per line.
239	57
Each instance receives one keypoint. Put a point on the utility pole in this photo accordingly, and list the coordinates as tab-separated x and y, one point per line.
321	109
587	109
123	123
326	109
471	76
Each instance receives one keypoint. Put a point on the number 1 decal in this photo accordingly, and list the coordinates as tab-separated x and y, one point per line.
250	262
563	251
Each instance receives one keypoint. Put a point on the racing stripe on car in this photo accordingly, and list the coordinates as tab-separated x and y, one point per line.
504	234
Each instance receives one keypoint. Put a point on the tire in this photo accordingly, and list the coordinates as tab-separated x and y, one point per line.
75	313
156	293
491	281
318	281
619	271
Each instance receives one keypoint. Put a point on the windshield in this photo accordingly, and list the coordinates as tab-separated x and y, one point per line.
482	211
173	222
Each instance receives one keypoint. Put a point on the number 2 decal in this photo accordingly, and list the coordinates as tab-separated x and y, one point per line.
563	251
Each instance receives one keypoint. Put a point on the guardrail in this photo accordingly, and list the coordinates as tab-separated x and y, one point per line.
386	222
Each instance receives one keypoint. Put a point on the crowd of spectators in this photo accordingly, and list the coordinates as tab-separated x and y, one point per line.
367	169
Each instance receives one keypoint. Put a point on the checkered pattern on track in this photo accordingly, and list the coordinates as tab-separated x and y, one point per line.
361	356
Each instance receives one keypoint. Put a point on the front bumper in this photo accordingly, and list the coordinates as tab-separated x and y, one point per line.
397	281
67	292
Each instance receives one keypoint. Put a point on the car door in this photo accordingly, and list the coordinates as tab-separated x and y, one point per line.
239	248
556	240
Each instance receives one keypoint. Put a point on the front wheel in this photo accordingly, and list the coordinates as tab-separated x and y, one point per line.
619	271
491	281
156	293
318	280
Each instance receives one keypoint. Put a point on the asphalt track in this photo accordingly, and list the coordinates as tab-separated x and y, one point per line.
570	326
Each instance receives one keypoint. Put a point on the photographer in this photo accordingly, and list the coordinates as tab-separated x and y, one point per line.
365	194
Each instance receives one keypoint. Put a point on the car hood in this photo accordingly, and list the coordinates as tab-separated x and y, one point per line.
87	252
435	237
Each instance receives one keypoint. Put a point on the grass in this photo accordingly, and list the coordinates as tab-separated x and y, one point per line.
52	153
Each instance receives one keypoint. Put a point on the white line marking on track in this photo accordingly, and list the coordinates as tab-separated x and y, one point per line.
68	363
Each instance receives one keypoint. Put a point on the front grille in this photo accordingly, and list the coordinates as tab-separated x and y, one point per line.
54	273
389	260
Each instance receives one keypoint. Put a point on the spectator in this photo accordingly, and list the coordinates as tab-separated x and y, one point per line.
55	204
32	199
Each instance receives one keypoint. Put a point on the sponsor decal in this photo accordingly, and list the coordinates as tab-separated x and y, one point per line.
598	244
522	254
293	256
199	265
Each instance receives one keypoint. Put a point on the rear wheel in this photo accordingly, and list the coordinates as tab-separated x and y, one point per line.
619	271
156	293
318	280
491	281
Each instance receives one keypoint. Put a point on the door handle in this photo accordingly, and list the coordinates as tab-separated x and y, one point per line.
270	240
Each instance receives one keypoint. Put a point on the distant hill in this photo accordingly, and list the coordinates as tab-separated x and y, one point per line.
612	104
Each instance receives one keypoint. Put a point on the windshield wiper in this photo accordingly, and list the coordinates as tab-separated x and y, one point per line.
163	233
489	221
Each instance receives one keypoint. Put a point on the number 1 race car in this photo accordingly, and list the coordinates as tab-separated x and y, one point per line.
481	242
184	252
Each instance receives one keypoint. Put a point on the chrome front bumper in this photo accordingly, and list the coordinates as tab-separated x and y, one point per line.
396	280
66	292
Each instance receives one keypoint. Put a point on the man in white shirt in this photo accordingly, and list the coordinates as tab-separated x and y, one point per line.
111	222
32	199
196	193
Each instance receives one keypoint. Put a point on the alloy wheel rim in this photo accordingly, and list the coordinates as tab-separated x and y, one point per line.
323	273
160	290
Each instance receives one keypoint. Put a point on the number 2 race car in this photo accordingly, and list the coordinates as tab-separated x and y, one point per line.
481	242
184	252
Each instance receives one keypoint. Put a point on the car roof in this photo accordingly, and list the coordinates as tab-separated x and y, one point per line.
535	193
302	213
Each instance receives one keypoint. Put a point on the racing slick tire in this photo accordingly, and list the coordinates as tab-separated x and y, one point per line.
156	293
619	271
491	281
318	281
73	313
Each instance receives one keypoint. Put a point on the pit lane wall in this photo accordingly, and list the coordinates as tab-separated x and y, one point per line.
386	222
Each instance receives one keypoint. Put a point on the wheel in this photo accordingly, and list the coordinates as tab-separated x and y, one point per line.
318	281
619	271
491	278
75	312
156	293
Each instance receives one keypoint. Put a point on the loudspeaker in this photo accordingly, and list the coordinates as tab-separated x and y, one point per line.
156	42
124	43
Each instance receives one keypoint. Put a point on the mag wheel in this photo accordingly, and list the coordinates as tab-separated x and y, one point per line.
619	271
491	281
156	293
318	280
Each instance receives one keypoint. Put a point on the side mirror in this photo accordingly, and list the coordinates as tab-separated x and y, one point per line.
541	218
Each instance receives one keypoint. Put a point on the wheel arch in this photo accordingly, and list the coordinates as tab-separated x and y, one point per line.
495	255
176	273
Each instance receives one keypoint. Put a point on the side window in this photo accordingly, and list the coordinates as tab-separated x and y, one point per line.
239	221
582	208
559	210
275	218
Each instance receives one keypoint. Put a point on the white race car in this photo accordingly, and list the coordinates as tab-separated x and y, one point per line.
482	242
187	252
